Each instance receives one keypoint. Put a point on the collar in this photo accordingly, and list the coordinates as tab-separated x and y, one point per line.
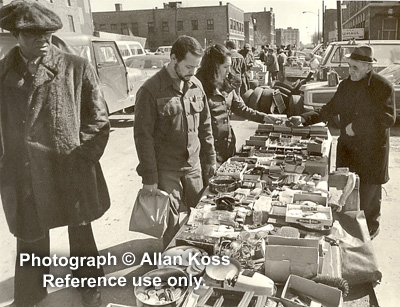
368	78
35	61
167	80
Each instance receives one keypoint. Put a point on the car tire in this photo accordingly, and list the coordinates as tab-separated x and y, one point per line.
296	105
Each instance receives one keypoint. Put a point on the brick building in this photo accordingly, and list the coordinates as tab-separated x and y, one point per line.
161	26
248	29
379	19
264	27
288	36
75	15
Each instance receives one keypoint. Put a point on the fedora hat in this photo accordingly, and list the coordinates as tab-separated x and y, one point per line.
363	53
23	15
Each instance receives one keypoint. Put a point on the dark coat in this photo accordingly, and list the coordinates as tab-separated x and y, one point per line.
221	106
50	166
370	106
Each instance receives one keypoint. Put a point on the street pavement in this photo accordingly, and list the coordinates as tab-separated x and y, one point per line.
112	234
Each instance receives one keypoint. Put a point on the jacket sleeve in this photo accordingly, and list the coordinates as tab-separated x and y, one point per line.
95	126
207	151
385	111
144	127
327	111
240	108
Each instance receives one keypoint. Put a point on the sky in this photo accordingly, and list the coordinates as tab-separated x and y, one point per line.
288	13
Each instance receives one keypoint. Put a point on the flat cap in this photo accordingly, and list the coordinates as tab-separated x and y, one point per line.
21	15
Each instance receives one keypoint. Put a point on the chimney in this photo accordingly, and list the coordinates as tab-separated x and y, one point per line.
271	9
265	9
220	3
118	7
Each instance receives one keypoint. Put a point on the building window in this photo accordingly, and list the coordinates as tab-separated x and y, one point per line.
68	2
114	26
71	23
150	27
102	27
195	24
135	28
210	24
231	24
179	25
124	29
165	27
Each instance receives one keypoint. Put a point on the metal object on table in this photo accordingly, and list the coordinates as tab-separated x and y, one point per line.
222	184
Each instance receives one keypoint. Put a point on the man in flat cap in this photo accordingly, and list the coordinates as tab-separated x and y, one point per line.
53	130
366	106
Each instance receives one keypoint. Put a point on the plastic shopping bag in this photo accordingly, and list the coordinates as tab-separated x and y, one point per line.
150	213
359	263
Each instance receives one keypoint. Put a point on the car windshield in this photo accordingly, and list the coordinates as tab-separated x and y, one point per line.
392	73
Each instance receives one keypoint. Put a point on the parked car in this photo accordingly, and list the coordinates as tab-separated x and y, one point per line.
148	64
130	48
119	83
166	50
386	53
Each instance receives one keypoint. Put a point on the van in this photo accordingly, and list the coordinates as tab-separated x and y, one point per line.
386	52
130	48
119	83
164	50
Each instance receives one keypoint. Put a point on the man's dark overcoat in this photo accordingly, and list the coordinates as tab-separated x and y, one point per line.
54	128
368	104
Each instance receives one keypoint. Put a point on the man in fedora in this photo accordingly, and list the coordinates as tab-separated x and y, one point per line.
53	130
366	106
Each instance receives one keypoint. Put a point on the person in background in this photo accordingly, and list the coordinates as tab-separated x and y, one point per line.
248	56
222	100
272	66
173	128
238	68
365	102
54	129
290	51
314	65
281	63
262	55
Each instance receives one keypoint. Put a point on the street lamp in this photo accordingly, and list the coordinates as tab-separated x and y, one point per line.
317	14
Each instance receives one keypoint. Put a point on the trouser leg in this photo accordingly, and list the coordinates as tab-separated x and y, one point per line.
82	244
185	186
28	281
170	182
370	202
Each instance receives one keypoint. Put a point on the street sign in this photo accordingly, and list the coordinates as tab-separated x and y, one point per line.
357	33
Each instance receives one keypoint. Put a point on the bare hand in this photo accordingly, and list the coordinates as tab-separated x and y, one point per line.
296	120
209	170
150	189
349	130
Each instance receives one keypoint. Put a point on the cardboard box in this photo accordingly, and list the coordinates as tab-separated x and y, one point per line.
237	175
304	219
319	165
326	295
281	261
319	199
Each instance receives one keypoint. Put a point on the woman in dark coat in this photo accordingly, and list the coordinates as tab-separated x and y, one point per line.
215	76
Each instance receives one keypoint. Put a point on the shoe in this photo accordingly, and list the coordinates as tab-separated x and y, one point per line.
91	297
374	233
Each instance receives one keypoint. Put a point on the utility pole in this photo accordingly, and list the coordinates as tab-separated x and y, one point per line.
339	20
323	23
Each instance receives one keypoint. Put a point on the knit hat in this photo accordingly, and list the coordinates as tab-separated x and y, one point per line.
21	15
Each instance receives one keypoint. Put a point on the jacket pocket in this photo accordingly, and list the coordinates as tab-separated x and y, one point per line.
169	106
197	104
